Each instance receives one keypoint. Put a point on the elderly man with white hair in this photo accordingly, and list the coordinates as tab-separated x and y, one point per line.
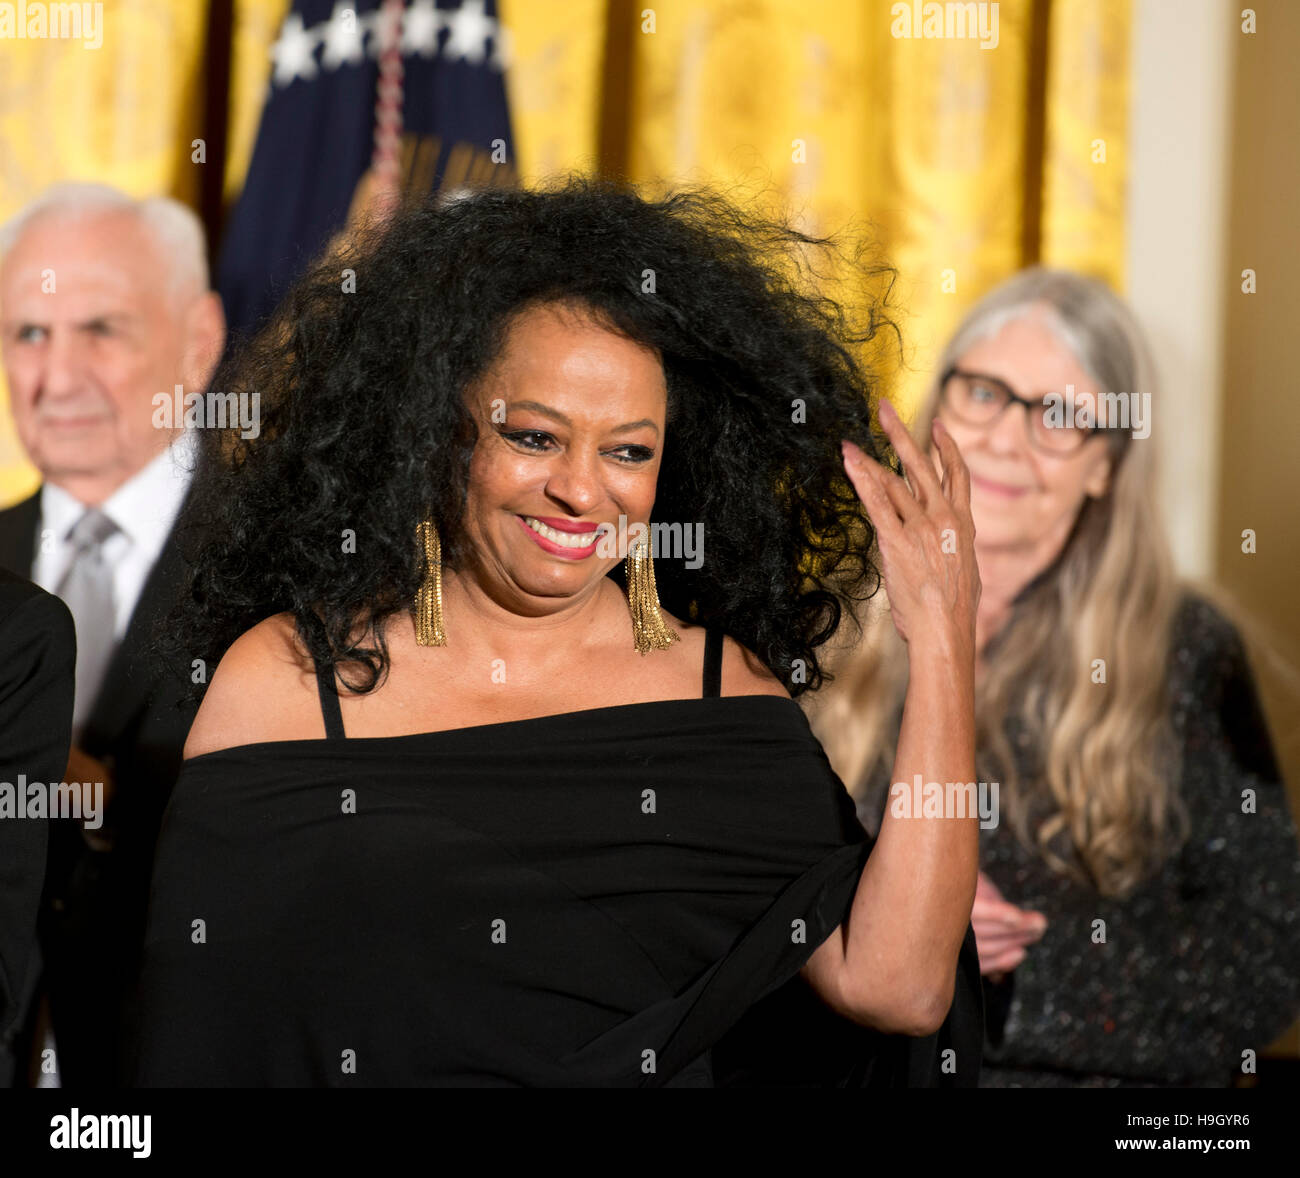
104	305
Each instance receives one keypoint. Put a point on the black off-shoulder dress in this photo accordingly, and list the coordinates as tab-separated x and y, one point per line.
620	896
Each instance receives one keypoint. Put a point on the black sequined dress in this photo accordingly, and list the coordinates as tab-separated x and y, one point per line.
1202	962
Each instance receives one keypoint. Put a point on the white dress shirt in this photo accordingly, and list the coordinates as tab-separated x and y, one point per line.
144	508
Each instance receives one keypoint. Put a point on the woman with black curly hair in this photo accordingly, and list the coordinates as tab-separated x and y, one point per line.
522	845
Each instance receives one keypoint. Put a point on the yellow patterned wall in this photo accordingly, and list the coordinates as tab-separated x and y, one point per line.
965	159
1085	167
965	162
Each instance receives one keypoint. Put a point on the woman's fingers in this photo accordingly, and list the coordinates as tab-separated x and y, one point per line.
1004	939
994	910
885	480
869	477
863	474
1000	938
919	472
956	475
905	503
1001	963
998	923
936	458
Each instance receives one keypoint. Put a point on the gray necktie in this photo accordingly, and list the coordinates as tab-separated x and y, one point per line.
87	590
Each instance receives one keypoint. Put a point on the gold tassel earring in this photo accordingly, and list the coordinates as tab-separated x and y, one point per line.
649	630
428	600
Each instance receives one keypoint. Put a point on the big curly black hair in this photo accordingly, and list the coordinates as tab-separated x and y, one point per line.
364	424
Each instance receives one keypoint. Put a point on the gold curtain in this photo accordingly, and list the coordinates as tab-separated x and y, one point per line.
966	157
1085	168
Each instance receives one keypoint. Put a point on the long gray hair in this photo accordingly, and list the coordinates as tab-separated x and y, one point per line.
1099	799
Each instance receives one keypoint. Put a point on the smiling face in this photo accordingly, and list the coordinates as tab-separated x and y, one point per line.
1022	498
91	333
577	441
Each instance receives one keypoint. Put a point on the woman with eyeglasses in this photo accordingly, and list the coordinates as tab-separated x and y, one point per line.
1136	906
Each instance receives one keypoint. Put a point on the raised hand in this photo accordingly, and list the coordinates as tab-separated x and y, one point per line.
924	530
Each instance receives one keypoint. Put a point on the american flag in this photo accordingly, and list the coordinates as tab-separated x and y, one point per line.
364	89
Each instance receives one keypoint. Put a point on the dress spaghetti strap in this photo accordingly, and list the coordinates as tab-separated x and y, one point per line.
329	704
333	714
712	663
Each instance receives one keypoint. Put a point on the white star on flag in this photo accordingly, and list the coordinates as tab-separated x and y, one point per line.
470	28
344	38
420	30
292	53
